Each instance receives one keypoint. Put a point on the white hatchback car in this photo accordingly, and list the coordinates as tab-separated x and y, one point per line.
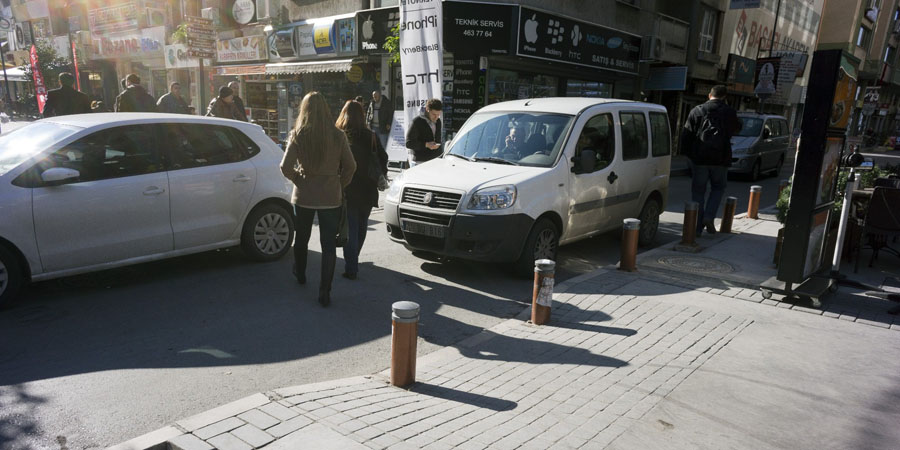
95	191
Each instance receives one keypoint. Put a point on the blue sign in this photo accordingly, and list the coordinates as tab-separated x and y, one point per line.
323	38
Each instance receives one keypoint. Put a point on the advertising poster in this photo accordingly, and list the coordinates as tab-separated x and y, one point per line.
829	170
421	54
816	245
39	88
842	105
396	145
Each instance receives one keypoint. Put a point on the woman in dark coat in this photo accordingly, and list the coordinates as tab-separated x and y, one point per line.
362	193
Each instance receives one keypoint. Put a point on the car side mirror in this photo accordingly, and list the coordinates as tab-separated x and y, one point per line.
56	176
585	161
766	134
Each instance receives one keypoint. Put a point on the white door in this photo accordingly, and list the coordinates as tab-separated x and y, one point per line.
592	191
212	182
635	169
117	209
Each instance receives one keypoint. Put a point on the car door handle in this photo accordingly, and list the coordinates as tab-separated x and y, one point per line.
241	179
153	190
612	177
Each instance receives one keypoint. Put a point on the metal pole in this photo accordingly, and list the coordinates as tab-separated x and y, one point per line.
201	104
5	79
772	37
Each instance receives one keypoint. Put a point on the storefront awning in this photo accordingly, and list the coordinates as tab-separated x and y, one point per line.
340	65
246	69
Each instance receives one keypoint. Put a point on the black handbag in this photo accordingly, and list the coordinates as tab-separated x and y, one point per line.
374	171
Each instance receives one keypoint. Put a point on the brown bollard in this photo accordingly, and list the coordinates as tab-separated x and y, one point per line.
542	296
405	320
728	215
630	231
753	206
689	232
781	185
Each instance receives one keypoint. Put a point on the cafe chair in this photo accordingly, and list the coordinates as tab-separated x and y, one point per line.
881	222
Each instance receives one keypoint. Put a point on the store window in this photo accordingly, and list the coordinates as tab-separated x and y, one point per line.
582	88
708	31
506	85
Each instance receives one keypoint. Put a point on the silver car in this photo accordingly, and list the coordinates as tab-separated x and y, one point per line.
760	146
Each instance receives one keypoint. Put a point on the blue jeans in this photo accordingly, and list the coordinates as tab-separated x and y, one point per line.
382	136
328	229
716	176
358	221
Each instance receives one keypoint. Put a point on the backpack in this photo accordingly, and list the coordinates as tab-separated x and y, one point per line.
712	138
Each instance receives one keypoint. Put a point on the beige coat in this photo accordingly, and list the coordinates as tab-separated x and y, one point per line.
319	187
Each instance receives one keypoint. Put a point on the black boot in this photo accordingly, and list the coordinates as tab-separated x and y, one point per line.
328	262
300	265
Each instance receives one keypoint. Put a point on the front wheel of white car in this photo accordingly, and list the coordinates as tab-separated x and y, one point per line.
11	277
542	243
268	233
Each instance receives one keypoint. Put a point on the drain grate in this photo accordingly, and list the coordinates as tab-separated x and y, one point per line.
696	264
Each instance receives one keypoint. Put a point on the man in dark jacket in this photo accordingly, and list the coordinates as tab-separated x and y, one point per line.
238	102
223	105
172	102
706	141
135	98
379	116
66	100
424	134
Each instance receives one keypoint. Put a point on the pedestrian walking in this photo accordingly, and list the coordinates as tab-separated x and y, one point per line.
362	193
238	101
135	98
706	141
319	163
66	100
172	102
424	134
379	116
223	106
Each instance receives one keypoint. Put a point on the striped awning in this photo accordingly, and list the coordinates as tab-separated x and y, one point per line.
340	65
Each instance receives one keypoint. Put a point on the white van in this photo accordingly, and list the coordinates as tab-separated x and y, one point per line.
523	177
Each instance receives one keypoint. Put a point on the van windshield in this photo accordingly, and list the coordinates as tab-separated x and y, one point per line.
750	126
526	139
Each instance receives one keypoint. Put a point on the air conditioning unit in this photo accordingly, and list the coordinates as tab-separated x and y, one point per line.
652	48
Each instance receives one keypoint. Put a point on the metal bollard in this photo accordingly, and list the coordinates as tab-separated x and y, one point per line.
781	185
542	296
689	232
728	215
405	320
753	206
630	234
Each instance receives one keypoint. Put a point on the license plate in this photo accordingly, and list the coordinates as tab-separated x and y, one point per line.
424	229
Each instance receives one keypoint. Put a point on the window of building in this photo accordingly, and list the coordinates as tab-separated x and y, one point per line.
889	54
864	38
708	31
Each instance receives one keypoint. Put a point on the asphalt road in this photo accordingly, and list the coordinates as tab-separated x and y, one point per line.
93	360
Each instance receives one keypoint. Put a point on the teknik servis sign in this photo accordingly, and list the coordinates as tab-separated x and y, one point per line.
555	38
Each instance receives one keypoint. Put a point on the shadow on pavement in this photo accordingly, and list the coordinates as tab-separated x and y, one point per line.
510	349
17	416
478	401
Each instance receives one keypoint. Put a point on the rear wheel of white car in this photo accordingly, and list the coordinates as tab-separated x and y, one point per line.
268	232
755	171
649	222
11	277
542	243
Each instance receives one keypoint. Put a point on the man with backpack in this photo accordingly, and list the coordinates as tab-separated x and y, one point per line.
706	141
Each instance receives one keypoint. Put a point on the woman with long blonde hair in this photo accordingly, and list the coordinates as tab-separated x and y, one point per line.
319	163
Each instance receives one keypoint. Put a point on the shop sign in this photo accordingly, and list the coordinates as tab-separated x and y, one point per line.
178	57
346	35
148	43
257	69
554	38
374	27
480	28
113	19
667	79
421	54
766	76
468	88
248	48
323	37
744	4
243	11
740	72
355	74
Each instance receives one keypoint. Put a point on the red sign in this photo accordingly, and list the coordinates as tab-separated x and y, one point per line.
75	60
39	88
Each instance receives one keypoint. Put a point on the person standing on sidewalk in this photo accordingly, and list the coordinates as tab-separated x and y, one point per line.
706	141
319	163
135	98
172	102
424	134
379	116
362	193
240	112
66	100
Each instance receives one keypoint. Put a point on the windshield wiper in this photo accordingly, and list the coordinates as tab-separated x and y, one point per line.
460	156
494	159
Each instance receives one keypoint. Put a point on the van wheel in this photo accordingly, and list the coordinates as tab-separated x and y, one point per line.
542	243
267	233
11	277
779	166
649	222
754	172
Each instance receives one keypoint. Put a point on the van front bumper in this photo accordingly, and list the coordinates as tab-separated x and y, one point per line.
487	238
742	163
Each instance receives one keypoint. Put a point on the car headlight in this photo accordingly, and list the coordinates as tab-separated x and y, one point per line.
393	192
494	197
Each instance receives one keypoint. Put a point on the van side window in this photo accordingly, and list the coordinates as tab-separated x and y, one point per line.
659	130
598	135
784	128
634	135
770	127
